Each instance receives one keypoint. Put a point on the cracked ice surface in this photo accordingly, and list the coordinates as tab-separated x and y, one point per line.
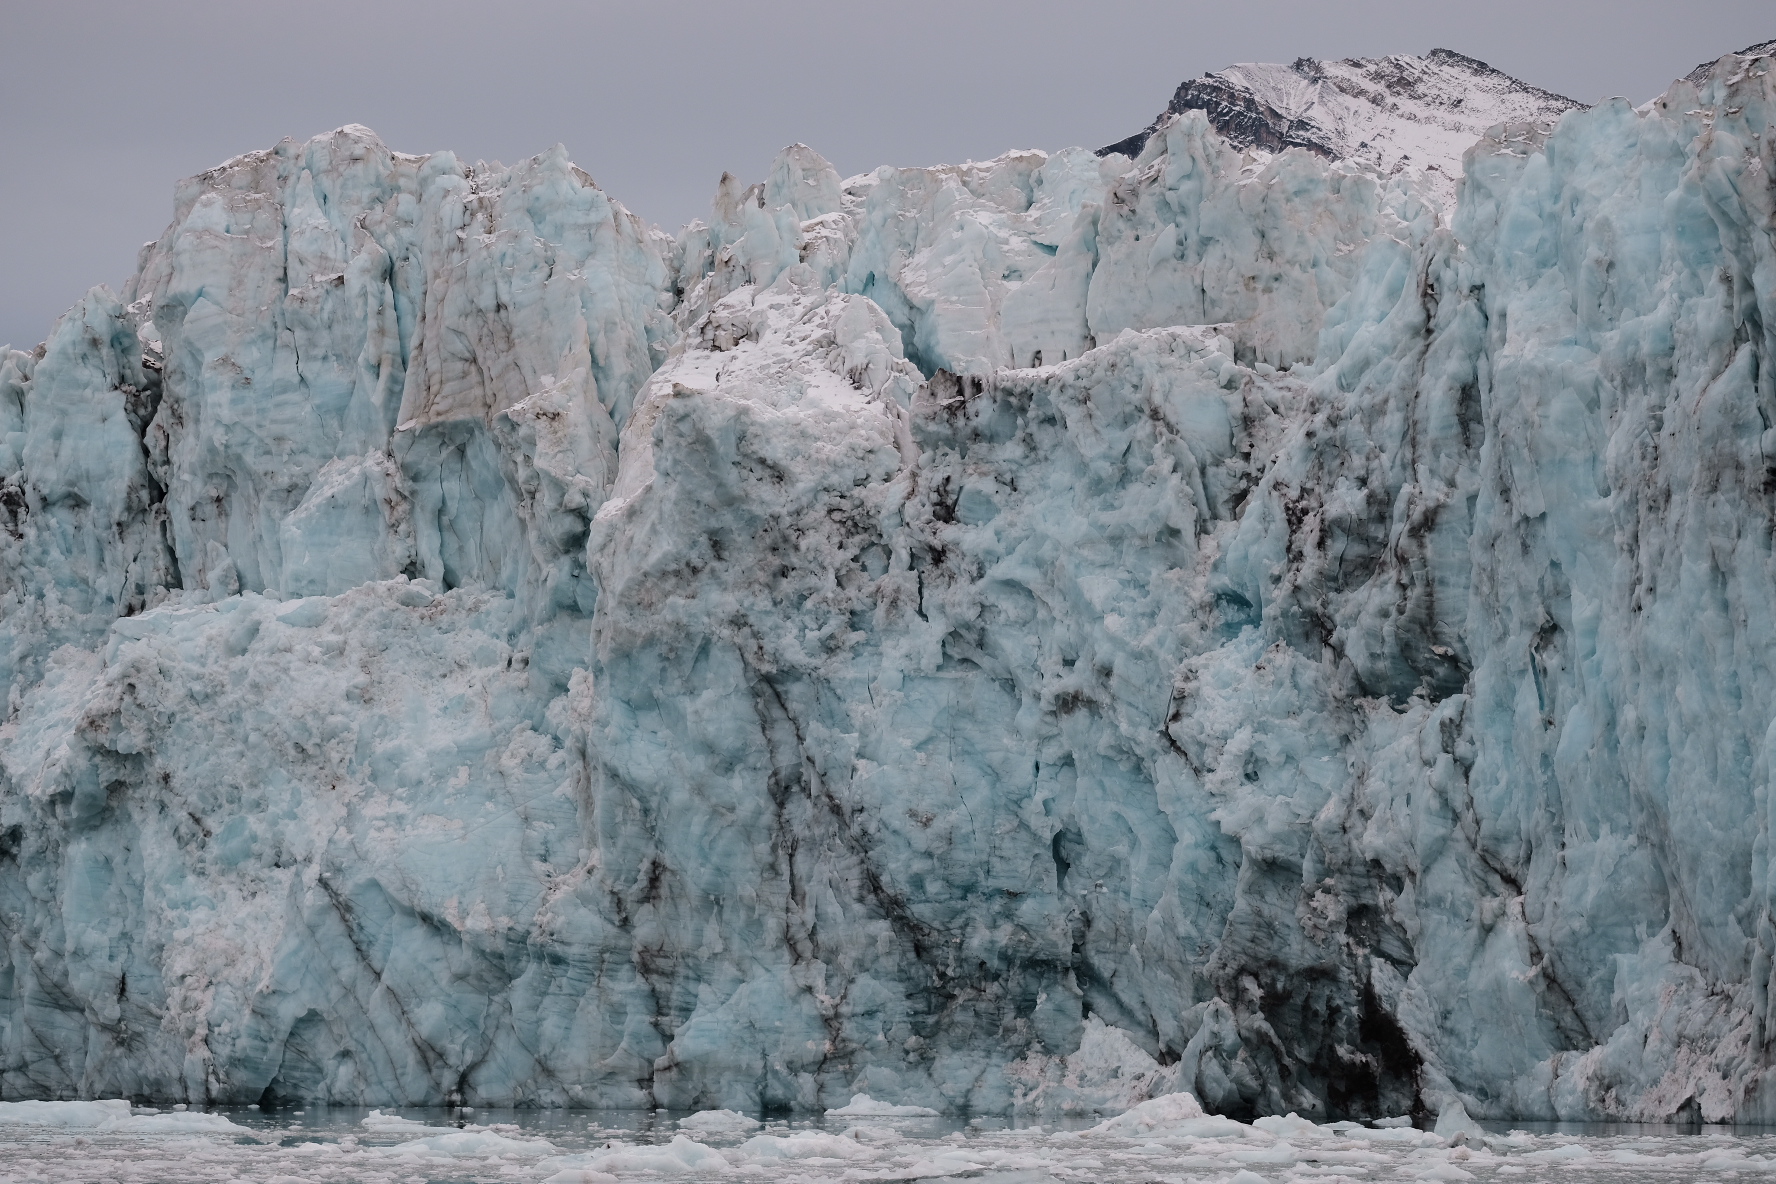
1038	635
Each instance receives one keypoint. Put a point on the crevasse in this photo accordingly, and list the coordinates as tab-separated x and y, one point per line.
1043	633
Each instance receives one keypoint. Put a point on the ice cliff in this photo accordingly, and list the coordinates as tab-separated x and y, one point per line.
1041	633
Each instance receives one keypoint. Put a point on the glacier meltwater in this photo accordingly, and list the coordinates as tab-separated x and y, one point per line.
1052	635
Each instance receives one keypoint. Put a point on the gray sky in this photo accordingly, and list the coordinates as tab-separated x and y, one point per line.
104	105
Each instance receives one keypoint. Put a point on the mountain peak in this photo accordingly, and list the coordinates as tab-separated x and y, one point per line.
1700	74
1388	112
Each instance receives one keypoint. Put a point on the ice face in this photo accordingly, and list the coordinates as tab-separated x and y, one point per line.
464	645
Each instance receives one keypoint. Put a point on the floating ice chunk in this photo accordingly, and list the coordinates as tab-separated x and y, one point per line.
1280	1155
1403	1136
1403	1120
801	1145
473	1143
1286	1126
580	1176
113	1115
1568	1153
864	1106
1345	1156
1726	1161
681	1155
1157	1114
377	1121
1454	1124
73	1115
719	1120
937	1167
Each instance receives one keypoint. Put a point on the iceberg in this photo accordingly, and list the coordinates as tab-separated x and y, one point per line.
1213	632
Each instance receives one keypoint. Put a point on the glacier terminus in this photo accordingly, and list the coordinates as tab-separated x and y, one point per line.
1282	609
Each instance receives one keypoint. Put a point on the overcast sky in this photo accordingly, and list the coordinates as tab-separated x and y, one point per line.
104	105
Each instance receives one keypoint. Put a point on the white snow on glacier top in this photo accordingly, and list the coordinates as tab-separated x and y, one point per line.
1388	113
1705	70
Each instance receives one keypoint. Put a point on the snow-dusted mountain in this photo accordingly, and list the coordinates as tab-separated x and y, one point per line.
1036	633
1703	70
1388	113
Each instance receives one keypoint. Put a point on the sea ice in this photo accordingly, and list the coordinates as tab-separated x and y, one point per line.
1279	1151
111	1116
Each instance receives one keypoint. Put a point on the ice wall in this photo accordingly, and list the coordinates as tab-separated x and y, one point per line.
929	634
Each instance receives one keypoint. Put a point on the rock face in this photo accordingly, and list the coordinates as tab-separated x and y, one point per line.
1043	633
1391	113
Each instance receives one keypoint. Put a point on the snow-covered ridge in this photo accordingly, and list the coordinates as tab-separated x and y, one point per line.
1049	633
1389	113
1704	70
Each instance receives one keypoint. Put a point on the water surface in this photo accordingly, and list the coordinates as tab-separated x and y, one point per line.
339	1145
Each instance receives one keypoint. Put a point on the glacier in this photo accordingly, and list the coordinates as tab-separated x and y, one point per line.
1051	633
